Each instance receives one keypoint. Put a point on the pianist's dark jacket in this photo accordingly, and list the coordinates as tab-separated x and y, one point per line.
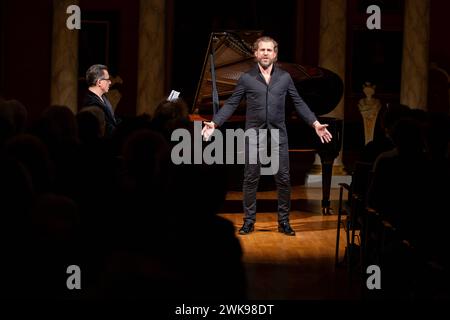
265	103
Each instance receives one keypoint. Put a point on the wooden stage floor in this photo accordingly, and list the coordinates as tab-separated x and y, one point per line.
292	268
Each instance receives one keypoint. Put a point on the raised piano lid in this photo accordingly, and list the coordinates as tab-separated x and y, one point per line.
233	55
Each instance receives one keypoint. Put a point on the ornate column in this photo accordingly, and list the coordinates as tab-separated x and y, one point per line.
332	42
151	59
64	60
416	36
332	52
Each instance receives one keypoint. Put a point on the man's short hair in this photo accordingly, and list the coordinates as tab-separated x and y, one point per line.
95	73
265	39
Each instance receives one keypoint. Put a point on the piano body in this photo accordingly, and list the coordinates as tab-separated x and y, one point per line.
320	88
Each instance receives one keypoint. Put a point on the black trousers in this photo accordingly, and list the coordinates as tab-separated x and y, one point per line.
252	172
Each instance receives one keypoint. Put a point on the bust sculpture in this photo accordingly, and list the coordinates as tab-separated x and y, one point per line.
369	108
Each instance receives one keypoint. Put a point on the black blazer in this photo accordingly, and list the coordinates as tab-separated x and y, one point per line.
91	99
265	103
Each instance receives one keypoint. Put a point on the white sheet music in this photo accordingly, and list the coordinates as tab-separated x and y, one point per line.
173	95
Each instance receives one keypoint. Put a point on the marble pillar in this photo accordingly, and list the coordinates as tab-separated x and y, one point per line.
416	35
151	56
64	59
332	44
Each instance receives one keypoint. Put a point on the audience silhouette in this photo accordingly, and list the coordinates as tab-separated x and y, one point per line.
139	226
408	188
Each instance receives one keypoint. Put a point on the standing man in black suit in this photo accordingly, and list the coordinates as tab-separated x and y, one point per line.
98	80
265	88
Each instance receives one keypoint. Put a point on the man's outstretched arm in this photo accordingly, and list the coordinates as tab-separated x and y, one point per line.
225	112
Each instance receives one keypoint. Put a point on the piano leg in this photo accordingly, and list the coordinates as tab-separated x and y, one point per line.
327	169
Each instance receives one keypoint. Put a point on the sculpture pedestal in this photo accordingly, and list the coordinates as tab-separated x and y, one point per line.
315	180
369	108
369	120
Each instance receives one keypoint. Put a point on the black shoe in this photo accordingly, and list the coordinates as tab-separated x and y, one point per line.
285	228
247	228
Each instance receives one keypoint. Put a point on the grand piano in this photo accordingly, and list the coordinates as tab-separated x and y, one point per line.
230	54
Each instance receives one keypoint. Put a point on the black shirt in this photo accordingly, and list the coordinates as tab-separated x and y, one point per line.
265	102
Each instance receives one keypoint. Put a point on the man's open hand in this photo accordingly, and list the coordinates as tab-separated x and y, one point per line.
208	130
321	130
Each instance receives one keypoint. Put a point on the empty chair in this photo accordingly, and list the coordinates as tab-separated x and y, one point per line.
353	207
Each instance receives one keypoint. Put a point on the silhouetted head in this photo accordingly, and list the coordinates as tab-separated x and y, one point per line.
32	153
13	118
91	123
146	156
55	218
170	115
392	114
58	124
407	136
